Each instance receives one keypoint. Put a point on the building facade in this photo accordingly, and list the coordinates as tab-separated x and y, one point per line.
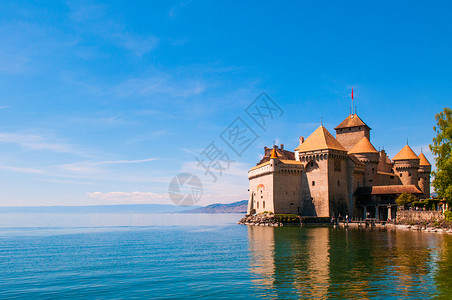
327	176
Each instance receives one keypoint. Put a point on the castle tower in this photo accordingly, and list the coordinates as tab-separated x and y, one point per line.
275	184
366	153
350	131
385	164
406	165
424	175
325	189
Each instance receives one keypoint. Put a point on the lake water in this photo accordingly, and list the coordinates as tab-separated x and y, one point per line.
183	256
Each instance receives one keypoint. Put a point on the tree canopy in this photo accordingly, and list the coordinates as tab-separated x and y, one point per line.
442	149
405	198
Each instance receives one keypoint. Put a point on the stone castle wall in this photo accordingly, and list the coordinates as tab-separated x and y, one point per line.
261	193
417	217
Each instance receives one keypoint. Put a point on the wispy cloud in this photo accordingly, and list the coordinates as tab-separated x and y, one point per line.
94	18
147	197
176	9
34	142
92	166
22	169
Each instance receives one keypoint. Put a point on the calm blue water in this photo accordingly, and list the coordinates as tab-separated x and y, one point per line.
209	256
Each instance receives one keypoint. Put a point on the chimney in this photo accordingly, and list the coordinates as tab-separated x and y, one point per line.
282	146
301	140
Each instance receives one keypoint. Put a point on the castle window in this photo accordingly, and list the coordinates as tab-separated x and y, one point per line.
313	183
409	174
257	204
263	204
373	169
338	183
337	165
401	174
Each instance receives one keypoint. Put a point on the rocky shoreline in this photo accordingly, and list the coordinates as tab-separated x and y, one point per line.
272	220
422	228
260	220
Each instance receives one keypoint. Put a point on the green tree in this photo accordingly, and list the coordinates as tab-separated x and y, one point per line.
404	199
442	149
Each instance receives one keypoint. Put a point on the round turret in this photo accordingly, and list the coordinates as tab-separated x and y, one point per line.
425	169
274	159
406	165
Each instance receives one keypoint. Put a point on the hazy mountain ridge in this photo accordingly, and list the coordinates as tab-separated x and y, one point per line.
218	208
235	207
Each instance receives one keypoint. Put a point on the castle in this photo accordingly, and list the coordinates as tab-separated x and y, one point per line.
327	176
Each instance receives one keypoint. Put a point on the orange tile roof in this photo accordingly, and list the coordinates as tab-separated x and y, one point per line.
395	189
291	162
405	154
351	121
260	165
423	160
284	161
385	173
320	139
363	146
388	190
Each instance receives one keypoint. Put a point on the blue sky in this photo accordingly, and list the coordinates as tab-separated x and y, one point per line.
104	102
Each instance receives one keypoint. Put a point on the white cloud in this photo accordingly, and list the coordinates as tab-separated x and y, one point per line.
133	197
34	142
90	166
22	169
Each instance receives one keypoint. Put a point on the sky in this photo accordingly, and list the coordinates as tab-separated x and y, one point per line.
106	102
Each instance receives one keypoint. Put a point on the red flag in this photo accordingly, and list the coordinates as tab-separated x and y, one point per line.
352	93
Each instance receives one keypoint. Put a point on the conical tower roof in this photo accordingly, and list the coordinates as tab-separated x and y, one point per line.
351	121
273	153
320	139
363	146
423	160
406	154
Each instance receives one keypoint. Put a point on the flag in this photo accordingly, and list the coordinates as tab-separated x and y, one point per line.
352	93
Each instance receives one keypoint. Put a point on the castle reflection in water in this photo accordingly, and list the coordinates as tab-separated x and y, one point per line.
324	262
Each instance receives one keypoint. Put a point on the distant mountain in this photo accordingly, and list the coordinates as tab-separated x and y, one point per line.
100	209
218	208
